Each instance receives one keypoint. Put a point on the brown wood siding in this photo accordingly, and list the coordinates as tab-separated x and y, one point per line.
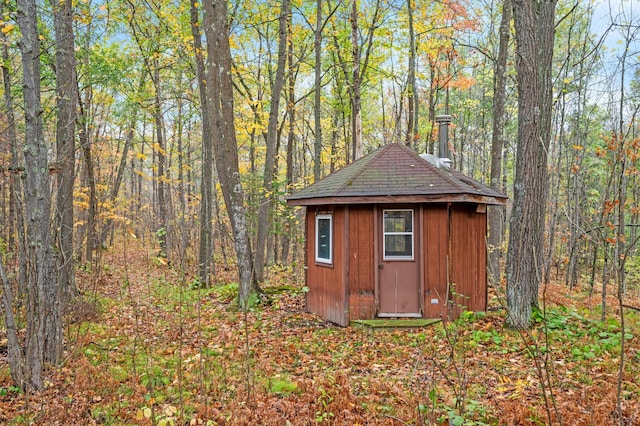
468	257
361	279
435	240
327	292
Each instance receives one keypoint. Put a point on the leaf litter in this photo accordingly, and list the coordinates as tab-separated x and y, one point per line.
160	351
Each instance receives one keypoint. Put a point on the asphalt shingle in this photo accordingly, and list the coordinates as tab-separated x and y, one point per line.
395	170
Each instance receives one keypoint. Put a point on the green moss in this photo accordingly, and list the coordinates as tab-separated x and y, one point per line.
395	323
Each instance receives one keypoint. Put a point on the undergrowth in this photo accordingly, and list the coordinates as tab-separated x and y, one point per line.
169	352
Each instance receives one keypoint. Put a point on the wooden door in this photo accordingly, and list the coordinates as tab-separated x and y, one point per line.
399	277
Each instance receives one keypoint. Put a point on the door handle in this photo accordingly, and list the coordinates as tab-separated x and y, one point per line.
380	266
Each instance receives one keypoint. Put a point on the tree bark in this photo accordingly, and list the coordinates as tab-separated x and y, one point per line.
496	213
162	232
43	339
360	66
534	25
317	115
85	144
271	138
412	95
356	82
220	100
291	137
66	100
16	185
205	249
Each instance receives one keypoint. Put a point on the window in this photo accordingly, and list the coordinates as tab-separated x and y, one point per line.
398	234
324	231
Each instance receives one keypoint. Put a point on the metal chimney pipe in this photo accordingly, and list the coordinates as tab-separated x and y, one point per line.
443	135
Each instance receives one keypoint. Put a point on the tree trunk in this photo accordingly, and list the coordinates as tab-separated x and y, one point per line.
356	99
412	95
205	250
115	188
162	231
220	100
317	46
496	213
66	99
270	157
291	113
534	24
16	185
85	144
576	189
43	343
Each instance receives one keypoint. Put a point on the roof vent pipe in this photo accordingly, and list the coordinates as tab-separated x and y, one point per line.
443	135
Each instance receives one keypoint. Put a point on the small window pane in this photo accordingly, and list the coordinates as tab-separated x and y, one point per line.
398	221
323	238
398	234
398	246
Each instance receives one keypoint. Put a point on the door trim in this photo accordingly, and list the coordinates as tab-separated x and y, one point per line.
418	253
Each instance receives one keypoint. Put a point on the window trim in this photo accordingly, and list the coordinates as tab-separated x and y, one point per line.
385	233
323	260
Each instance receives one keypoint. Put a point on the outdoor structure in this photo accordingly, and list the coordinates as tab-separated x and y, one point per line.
395	234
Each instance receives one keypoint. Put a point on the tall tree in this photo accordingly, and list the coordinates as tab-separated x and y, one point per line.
317	93
147	32
43	335
16	186
412	92
271	137
220	101
66	100
360	55
356	83
534	30
205	250
496	213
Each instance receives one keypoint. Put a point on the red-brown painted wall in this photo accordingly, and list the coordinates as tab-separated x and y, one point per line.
361	277
454	249
327	287
469	257
436	250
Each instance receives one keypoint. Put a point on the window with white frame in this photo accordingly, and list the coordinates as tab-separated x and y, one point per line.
324	238
398	234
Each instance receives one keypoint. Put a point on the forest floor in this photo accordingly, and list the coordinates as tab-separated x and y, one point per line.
146	346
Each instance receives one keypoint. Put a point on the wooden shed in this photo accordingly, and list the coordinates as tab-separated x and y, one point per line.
395	235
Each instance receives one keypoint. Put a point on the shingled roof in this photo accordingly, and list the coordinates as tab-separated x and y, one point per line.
395	174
